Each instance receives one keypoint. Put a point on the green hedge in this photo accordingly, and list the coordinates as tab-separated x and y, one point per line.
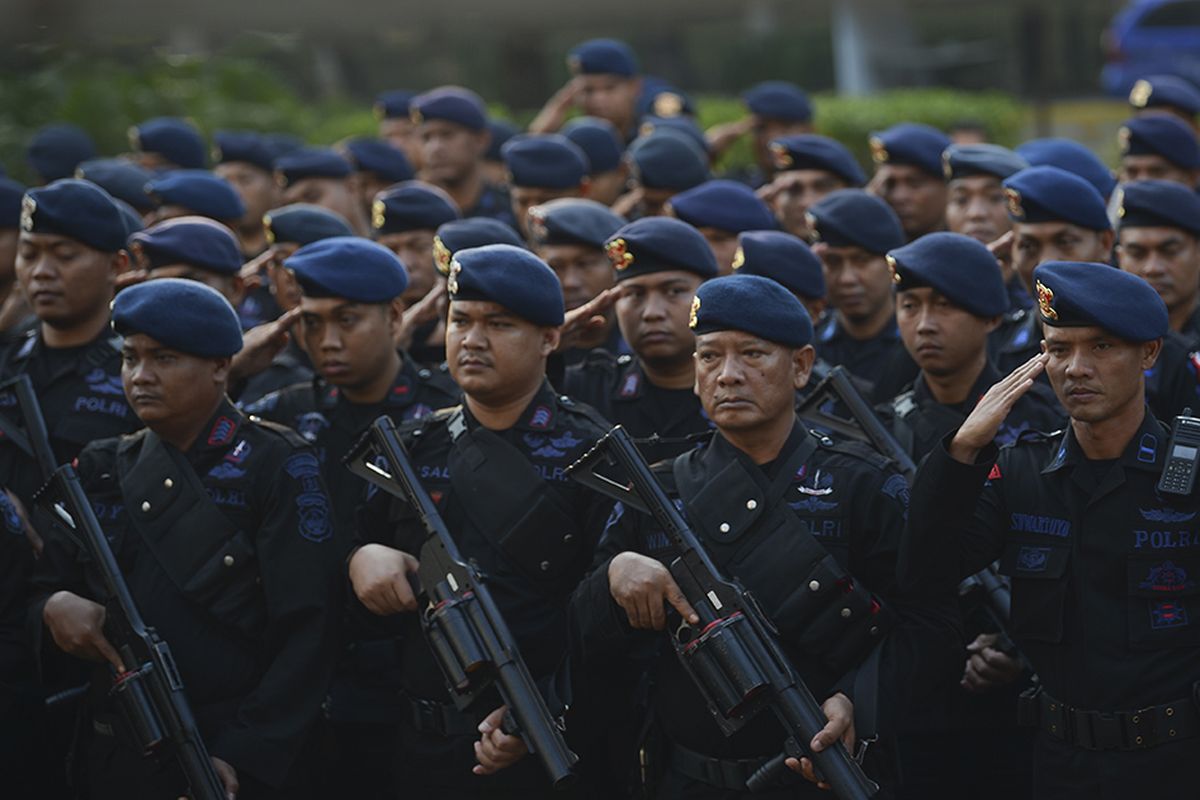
107	94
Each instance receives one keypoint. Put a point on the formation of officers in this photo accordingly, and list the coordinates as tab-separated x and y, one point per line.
207	344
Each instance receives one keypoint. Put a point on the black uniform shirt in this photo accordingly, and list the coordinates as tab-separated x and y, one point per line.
881	362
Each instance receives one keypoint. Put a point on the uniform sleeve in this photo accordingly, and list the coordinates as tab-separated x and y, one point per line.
299	553
955	520
16	564
598	624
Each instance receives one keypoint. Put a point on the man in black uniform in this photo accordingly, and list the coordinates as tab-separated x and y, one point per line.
323	177
909	175
246	160
853	231
949	296
789	514
1100	558
69	255
541	168
807	167
1158	238
660	262
1159	147
350	301
222	527
496	468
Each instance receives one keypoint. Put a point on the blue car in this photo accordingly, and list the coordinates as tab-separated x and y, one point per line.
1151	37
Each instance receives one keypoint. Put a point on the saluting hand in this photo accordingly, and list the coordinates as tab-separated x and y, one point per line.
588	316
379	575
427	309
981	427
261	344
641	585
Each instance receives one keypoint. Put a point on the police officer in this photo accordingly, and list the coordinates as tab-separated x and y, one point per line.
541	168
807	167
320	176
196	248
853	232
1101	598
770	502
1071	156
604	148
661	164
350	290
377	165
69	255
393	110
777	109
493	162
949	296
453	135
660	262
569	235
123	180
786	260
1158	238
605	82
246	161
166	143
185	192
908	175
976	206
1159	147
496	468
56	150
243	580
720	210
1156	94
15	317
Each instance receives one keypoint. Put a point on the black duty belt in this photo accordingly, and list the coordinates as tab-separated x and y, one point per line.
443	719
1110	730
720	772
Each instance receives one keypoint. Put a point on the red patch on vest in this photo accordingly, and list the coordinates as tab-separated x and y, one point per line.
995	473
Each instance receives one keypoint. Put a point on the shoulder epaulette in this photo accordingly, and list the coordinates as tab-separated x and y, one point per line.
287	434
904	404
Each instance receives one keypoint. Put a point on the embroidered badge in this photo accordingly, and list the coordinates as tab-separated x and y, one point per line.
541	418
312	506
1167	614
1013	198
1166	515
1167	577
222	431
226	472
441	255
101	382
891	262
618	253
12	520
1139	95
897	488
1033	559
879	153
239	452
310	424
813	505
694	312
452	277
1045	301
820	485
629	386
539	448
28	207
739	258
780	156
995	473
1148	449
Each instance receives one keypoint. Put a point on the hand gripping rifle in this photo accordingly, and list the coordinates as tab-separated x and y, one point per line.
733	655
461	621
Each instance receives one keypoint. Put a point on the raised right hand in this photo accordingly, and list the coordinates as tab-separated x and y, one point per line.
641	585
77	625
981	427
379	575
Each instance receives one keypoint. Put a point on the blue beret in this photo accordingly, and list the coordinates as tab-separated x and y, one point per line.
199	191
668	160
1079	294
682	125
659	244
280	144
728	205
349	267
546	160
603	57
410	206
1071	156
76	209
783	258
393	104
379	157
965	160
130	216
810	151
752	304
174	139
1050	194
122	179
198	241
302	223
778	100
910	143
310	162
959	268
599	140
56	150
660	99
1157	91
502	130
1159	204
183	315
573	220
244	146
11	193
452	104
853	218
510	276
463	234
1161	135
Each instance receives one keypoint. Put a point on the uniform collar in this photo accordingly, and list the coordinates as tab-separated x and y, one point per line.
832	329
539	416
631	382
1146	451
402	392
99	351
221	430
986	379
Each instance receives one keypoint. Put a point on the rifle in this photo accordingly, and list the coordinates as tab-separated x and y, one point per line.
34	440
733	654
150	692
996	595
461	622
862	425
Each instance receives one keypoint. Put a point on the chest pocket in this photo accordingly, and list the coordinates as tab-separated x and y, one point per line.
1038	570
1164	601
